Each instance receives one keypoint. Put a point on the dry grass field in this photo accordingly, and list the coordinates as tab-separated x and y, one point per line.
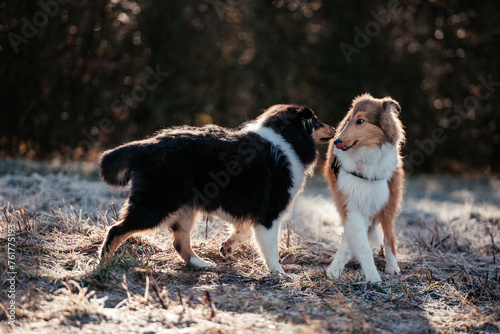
53	219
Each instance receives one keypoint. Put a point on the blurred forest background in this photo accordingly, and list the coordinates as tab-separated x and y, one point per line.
78	77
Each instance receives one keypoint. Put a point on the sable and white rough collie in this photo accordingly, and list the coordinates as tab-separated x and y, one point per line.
249	177
366	176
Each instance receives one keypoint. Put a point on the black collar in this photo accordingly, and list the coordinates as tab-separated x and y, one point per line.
336	169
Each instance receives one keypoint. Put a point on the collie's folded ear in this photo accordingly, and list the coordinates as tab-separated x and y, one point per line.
305	112
390	123
391	105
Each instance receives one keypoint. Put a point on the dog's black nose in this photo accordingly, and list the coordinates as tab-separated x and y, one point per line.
337	141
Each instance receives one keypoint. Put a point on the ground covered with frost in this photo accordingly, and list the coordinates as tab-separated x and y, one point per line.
54	218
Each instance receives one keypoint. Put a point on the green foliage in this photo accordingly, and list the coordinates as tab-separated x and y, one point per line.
82	80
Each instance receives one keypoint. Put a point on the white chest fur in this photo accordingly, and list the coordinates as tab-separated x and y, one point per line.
364	196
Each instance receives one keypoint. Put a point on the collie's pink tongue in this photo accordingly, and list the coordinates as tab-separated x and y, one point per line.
340	146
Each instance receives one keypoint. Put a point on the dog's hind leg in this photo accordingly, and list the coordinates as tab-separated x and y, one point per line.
375	236
117	234
181	224
240	234
391	263
267	239
386	218
133	219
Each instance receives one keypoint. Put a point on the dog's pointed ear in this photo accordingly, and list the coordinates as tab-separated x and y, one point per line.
305	112
391	105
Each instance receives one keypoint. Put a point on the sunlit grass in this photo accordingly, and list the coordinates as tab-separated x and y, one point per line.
448	255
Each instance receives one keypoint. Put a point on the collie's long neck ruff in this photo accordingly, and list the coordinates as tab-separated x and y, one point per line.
367	197
373	163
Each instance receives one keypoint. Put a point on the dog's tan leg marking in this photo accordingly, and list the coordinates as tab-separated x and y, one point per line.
182	224
109	246
387	217
116	242
391	264
240	234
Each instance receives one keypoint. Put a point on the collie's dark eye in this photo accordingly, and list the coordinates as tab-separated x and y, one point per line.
360	121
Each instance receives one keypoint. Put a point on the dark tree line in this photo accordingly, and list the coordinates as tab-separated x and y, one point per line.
81	76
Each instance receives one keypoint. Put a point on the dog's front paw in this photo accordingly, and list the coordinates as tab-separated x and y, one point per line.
374	278
278	271
226	250
391	269
333	272
199	263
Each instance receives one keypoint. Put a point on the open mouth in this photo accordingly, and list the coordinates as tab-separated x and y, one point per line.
342	147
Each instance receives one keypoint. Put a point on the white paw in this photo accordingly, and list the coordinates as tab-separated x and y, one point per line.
373	278
199	263
333	272
276	269
391	269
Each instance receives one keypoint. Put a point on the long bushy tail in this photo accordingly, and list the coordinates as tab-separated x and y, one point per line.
115	164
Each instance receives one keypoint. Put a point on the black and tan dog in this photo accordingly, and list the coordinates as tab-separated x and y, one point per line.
248	176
